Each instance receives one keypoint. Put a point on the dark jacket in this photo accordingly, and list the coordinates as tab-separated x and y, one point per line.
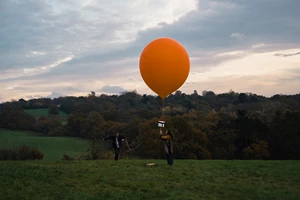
113	138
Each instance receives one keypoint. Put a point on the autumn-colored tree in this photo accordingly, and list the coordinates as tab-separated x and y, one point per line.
53	110
92	125
148	140
284	136
13	117
75	123
189	142
47	124
58	131
257	150
219	127
250	130
111	127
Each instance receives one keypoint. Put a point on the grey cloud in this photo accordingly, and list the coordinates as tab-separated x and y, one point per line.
294	70
20	88
55	95
290	79
60	92
272	22
207	28
293	77
204	62
33	96
71	89
34	26
65	90
287	55
210	27
131	50
112	89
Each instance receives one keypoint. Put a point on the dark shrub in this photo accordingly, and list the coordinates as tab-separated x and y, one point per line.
22	153
67	157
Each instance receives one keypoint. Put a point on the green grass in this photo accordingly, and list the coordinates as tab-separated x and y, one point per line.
53	148
131	179
43	112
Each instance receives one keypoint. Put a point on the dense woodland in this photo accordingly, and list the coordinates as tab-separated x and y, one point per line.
205	126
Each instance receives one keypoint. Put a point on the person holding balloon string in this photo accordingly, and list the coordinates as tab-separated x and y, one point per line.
168	139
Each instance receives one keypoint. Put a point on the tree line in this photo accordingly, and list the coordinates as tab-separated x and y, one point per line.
205	126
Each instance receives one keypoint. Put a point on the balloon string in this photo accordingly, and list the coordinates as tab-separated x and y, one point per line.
163	110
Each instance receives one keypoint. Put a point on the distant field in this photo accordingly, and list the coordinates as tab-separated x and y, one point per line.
43	112
53	148
131	179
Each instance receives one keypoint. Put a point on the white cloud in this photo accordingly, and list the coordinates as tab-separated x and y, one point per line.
17	73
257	46
55	95
232	53
112	89
35	53
137	14
237	36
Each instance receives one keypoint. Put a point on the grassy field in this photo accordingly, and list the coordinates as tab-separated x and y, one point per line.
53	148
132	179
43	112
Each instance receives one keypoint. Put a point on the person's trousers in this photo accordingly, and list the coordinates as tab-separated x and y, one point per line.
117	151
170	156
170	159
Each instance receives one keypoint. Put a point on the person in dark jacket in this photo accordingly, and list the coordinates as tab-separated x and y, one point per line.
168	138
116	143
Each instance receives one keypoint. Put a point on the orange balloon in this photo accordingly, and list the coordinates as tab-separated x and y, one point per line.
164	66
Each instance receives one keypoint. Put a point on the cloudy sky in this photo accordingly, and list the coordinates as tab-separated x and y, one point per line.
51	48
